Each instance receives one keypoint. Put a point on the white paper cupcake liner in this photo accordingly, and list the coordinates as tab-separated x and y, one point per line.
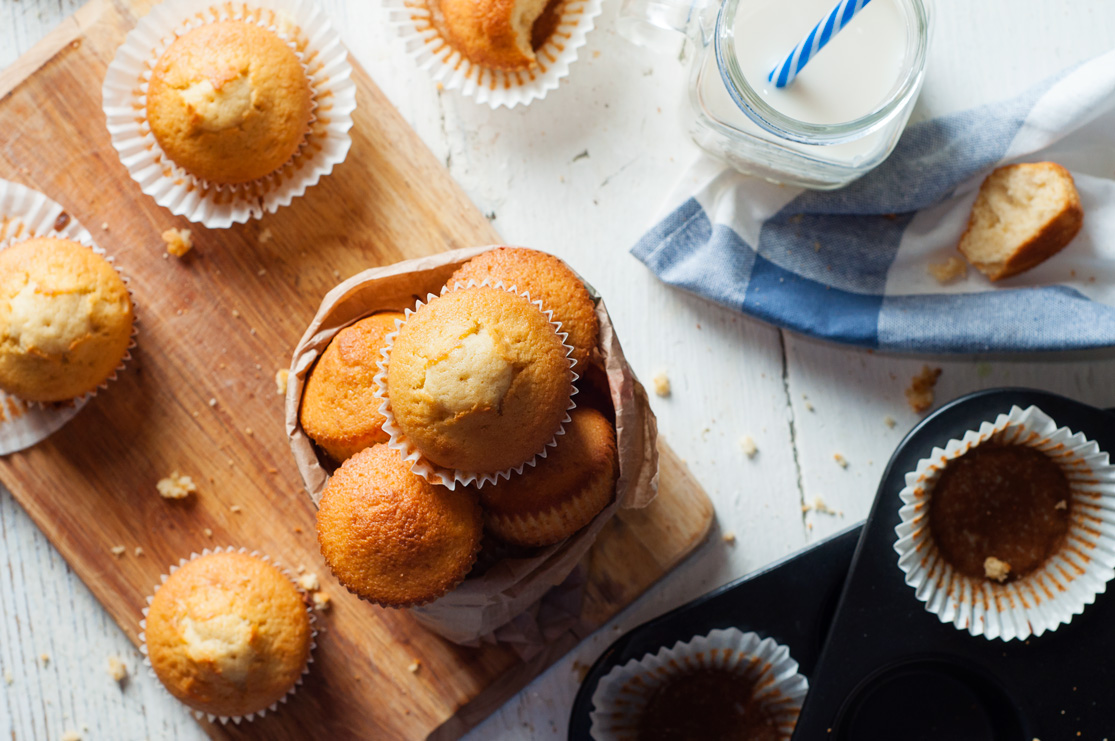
623	693
415	23
303	25
1049	596
26	214
224	719
398	441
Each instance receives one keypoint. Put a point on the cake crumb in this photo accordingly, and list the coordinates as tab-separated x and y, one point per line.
248	431
729	538
950	270
138	551
178	241
821	507
414	666
118	550
104	226
919	395
321	601
301	569
840	460
71	736
1063	504
750	449
176	486
889	421
45	658
207	532
661	384
265	236
336	273
261	272
995	569
235	508
212	402
282	376
235	313
8	678
580	671
117	669
309	582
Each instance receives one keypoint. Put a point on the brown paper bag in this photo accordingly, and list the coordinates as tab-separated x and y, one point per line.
481	604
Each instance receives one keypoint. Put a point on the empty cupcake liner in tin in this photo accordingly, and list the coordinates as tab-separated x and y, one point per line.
418	23
624	693
306	29
224	719
25	214
1064	584
427	469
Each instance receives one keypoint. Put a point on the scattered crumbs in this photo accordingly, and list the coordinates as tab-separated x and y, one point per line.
309	582
661	384
1063	504
840	460
983	370
138	551
71	736
117	669
235	313
178	241
196	413
252	331
212	402
301	569
45	658
414	666
118	550
261	272
336	273
281	377
104	226
808	404
995	569
821	507
176	486
235	508
919	395
248	431
265	236
8	678
321	601
729	538
207	532
952	269
749	447
889	421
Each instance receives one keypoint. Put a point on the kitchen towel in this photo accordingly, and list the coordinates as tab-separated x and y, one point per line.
851	265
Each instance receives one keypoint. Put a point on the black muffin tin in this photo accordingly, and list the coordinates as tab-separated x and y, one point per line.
881	667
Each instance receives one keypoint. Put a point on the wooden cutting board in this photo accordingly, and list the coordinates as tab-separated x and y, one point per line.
216	325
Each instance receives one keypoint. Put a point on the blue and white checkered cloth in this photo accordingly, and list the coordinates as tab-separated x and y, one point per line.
851	265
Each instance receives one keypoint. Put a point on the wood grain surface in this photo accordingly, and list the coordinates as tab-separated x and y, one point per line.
199	397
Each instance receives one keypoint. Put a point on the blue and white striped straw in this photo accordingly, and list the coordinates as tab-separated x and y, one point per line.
814	41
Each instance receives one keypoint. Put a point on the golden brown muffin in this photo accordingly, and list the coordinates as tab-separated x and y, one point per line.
546	279
228	634
339	411
478	380
229	102
65	319
492	33
390	536
560	495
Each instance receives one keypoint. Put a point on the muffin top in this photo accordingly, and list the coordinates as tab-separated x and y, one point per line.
229	102
228	634
339	411
546	279
478	380
492	33
65	319
564	491
390	536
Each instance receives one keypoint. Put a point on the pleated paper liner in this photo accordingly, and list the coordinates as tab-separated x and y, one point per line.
302	25
418	24
26	214
624	693
429	470
1064	585
224	719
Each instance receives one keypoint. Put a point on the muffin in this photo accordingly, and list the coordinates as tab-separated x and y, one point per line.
563	492
493	33
229	102
339	411
228	634
65	320
546	279
390	536
478	380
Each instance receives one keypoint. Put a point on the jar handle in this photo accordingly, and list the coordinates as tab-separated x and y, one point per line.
654	23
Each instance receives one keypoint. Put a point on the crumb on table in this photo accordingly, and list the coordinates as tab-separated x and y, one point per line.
749	447
321	601
282	376
117	669
919	394
889	421
118	550
414	666
235	509
71	736
138	551
729	538
45	658
821	507
176	486
178	241
309	582
265	235
661	384
995	569
1063	504
840	460
208	532
950	270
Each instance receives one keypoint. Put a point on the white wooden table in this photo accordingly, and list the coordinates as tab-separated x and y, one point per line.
581	174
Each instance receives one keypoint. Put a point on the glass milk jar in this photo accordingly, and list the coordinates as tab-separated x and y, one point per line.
840	118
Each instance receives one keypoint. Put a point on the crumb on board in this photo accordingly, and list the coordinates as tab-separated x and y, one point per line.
950	270
235	313
889	421
919	394
414	666
1063	504
249	431
750	449
138	551
118	550
117	669
301	569
282	376
580	671
212	402
821	507
176	486
8	678
208	532
729	538
104	226
321	601
45	658
995	569
235	508
661	384
309	582
265	235
840	460
178	241
71	736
